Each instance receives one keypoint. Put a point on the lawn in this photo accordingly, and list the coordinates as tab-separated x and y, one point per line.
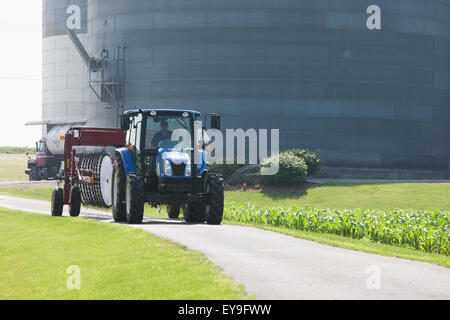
36	193
12	167
115	262
356	195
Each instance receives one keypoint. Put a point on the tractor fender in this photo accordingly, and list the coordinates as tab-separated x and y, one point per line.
127	158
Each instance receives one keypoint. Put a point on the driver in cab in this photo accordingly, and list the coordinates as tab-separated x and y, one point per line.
164	134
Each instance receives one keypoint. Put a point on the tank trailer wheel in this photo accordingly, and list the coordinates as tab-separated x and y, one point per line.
57	202
134	198
173	210
75	201
34	173
214	208
118	192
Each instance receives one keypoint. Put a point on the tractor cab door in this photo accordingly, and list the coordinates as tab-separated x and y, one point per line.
134	139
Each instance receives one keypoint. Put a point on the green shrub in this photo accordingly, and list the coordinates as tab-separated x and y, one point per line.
292	169
312	160
295	165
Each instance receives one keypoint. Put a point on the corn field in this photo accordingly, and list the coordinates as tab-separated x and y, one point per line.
424	230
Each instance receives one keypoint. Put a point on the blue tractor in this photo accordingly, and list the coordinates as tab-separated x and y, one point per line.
164	164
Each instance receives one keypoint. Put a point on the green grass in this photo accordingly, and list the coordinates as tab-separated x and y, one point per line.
12	167
356	195
116	262
36	193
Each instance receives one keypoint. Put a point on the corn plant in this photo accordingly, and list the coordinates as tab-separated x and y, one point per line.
424	230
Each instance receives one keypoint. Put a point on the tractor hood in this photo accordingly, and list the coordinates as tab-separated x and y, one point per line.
174	156
173	162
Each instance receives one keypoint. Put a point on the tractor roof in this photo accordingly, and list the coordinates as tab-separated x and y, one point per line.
162	110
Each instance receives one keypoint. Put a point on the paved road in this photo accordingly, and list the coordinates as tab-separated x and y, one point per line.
275	266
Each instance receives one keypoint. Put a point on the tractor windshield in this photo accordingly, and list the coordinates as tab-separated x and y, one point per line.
41	146
168	132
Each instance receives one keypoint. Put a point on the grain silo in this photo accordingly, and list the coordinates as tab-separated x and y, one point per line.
365	98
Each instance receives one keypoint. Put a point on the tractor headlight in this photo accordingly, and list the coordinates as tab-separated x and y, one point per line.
167	168
187	171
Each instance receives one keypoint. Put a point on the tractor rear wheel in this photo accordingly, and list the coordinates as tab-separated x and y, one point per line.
118	192
214	208
75	201
173	210
134	198
194	212
57	202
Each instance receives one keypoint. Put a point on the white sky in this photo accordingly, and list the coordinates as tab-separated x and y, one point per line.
20	71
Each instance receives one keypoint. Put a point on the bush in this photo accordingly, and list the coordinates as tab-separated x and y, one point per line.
295	165
312	160
292	170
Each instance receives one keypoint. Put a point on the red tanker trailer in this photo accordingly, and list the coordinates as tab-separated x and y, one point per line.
44	165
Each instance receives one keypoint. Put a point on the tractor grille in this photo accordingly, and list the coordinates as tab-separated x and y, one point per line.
180	185
178	169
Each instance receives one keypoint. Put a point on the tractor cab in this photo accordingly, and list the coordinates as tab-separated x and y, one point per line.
164	163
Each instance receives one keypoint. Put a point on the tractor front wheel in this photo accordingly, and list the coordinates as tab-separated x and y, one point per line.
214	208
57	202
134	198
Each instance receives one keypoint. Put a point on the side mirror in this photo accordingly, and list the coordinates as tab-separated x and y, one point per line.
215	122
124	123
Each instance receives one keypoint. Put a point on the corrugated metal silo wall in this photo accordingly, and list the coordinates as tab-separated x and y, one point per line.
65	84
365	98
